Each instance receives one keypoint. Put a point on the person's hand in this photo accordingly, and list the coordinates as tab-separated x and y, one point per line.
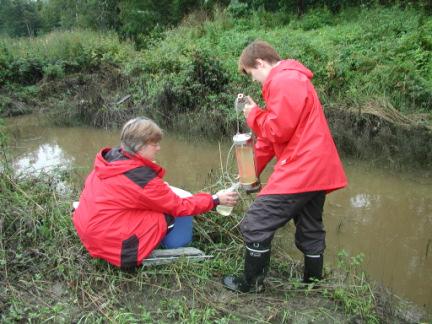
248	106
227	198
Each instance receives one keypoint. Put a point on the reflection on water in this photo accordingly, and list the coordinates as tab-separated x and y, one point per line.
45	157
360	200
379	215
385	215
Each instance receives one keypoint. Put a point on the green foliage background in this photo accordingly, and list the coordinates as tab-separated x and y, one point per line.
372	62
132	18
357	55
101	62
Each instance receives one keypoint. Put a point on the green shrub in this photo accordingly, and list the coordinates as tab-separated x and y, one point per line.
26	71
5	61
53	71
187	94
267	19
5	103
355	293
237	9
355	55
57	54
316	18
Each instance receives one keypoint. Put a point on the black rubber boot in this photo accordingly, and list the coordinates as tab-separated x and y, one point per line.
257	260
313	267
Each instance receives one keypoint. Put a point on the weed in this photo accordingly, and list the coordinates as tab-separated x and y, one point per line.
369	61
374	57
354	291
46	274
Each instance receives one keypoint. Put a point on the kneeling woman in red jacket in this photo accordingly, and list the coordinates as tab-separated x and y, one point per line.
126	208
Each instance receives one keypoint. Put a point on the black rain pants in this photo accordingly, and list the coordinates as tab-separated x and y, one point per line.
270	212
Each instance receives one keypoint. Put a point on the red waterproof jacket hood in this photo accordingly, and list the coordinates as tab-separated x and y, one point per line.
290	65
292	127
104	169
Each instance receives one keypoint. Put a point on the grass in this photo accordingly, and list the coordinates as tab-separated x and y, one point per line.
46	274
364	62
70	48
358	57
372	71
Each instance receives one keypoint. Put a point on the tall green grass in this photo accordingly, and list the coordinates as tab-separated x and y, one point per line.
186	78
357	56
46	274
28	60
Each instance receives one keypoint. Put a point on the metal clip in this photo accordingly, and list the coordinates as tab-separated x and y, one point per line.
240	102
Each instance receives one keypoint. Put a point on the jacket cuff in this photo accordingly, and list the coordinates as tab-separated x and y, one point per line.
250	120
216	200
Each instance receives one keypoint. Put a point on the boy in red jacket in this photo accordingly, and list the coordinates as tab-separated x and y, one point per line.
293	129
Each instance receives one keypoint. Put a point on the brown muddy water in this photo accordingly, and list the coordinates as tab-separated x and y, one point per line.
386	215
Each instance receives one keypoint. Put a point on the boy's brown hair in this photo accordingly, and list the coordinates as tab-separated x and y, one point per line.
257	50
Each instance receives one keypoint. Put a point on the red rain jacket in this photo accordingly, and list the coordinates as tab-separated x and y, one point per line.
121	212
293	128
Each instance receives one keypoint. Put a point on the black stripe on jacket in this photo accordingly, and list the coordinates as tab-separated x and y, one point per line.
141	175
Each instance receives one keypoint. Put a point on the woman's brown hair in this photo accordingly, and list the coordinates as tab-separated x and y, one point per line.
138	132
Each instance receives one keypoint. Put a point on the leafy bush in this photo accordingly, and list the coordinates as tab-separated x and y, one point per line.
237	9
187	93
26	70
357	57
26	61
53	71
5	103
267	19
5	61
315	19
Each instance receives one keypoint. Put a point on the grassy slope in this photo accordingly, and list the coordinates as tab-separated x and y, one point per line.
358	57
46	274
373	70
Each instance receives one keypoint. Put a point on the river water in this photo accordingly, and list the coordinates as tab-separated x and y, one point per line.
386	215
